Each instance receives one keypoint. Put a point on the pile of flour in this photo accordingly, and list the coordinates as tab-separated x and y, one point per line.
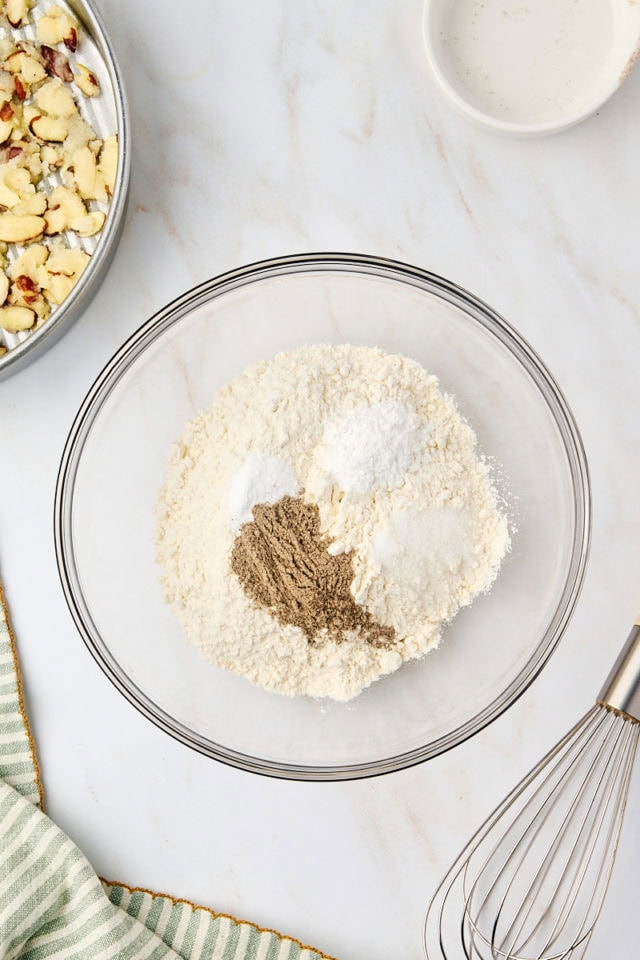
394	470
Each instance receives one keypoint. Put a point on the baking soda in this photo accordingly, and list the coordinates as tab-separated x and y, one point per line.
260	479
373	446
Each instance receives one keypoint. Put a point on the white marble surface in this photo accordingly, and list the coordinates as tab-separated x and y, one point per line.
279	127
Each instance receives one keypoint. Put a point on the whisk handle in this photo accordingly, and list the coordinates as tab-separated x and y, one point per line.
622	688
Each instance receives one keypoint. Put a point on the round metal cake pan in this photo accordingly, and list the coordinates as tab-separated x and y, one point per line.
108	114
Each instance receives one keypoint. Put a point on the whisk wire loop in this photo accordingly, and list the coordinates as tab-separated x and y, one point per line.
569	874
596	858
517	850
438	911
531	883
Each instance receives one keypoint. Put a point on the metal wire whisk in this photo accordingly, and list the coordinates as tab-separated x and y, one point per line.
531	883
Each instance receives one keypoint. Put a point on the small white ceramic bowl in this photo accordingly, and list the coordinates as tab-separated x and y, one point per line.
530	67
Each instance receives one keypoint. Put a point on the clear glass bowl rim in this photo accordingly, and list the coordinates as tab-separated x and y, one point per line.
171	314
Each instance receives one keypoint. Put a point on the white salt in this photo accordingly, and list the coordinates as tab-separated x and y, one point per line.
424	545
373	446
260	479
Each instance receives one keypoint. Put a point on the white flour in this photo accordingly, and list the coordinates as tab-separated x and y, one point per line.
424	525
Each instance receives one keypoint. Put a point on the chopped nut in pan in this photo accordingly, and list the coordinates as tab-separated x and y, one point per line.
109	163
66	209
17	12
57	63
87	81
15	184
52	129
85	170
61	272
26	68
20	229
56	99
44	139
29	262
26	292
15	319
91	224
58	27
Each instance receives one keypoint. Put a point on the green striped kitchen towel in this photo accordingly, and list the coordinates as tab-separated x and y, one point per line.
52	904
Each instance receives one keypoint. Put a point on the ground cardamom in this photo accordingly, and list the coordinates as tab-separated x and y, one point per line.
283	564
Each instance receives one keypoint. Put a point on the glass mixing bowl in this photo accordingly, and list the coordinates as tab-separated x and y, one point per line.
114	464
